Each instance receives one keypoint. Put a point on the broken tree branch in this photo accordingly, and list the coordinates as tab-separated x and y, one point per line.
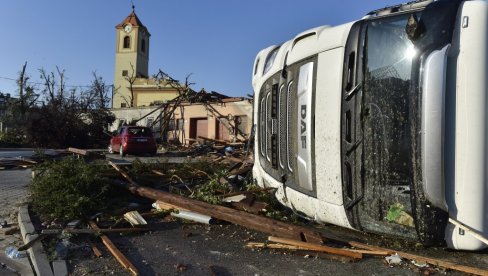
255	222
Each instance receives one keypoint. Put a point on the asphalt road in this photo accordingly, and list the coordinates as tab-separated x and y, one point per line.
21	153
177	248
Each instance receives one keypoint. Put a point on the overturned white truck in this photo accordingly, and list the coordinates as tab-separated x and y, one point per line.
386	114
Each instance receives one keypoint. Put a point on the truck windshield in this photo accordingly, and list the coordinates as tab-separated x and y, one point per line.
388	55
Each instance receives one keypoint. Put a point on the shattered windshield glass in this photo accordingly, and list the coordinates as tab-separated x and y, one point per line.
388	56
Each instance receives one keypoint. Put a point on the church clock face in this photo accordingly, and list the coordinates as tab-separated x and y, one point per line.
128	28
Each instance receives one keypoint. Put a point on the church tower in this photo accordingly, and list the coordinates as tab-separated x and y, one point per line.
131	58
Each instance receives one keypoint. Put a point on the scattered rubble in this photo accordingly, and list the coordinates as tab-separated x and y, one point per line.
177	190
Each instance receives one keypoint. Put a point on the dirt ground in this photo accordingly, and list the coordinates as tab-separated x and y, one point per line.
177	248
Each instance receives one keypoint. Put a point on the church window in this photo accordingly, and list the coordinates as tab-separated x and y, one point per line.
125	73
143	45
127	42
123	105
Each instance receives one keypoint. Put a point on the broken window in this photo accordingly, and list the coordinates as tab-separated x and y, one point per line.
180	124
171	125
240	123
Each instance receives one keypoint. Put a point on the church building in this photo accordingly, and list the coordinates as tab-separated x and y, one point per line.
132	85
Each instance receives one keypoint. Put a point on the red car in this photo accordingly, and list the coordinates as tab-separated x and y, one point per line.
133	140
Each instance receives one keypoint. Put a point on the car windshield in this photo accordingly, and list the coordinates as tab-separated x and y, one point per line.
139	131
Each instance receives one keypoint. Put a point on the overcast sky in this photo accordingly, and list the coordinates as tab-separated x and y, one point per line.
214	40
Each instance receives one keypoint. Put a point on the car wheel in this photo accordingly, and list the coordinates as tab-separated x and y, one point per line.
110	149
121	151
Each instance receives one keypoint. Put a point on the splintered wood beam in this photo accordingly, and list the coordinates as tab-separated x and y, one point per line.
124	174
159	173
422	259
316	247
251	221
79	151
471	231
297	250
115	251
296	247
95	250
248	192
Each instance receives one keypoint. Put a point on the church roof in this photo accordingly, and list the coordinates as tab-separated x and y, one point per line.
133	20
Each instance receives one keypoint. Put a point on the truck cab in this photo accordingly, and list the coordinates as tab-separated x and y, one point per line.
379	125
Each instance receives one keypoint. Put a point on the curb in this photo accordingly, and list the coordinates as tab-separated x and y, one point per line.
36	252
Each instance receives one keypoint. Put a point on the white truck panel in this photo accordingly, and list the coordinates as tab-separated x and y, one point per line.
304	129
467	195
328	126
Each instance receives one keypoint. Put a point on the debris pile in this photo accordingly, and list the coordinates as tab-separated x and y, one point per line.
216	189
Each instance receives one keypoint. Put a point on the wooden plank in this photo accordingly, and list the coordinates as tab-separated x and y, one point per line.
251	221
159	173
296	247
369	252
316	247
248	192
166	206
91	231
422	259
79	151
95	250
115	251
233	159
134	218
471	231
124	174
300	251
31	242
212	140
272	246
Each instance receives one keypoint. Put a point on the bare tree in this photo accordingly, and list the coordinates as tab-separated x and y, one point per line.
130	78
96	96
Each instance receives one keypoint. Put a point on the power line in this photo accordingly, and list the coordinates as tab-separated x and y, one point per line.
42	83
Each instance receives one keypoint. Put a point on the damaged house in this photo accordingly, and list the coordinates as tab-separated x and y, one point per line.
187	118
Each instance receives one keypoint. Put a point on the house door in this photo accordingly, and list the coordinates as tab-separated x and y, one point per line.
222	130
198	127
